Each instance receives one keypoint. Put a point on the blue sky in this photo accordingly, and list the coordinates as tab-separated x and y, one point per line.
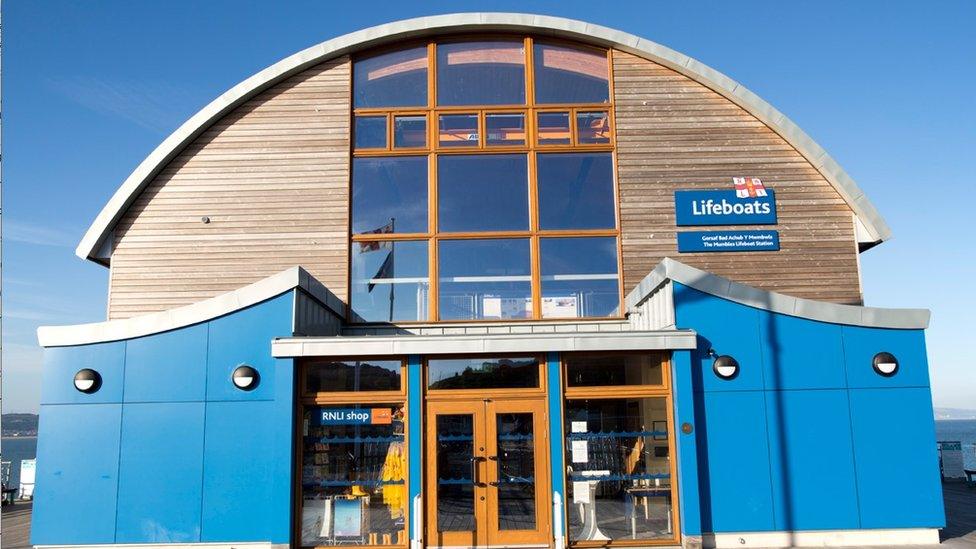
90	88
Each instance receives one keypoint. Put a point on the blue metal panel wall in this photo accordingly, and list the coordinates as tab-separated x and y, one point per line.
77	474
897	463
160	473
684	412
167	367
176	452
415	425
808	436
556	438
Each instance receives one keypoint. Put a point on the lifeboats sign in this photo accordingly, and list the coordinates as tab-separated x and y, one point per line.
696	208
749	202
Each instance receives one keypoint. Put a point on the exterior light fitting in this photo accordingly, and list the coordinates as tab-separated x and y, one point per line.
725	367
88	381
885	364
245	378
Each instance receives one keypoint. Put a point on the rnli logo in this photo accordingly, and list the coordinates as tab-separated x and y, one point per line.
749	202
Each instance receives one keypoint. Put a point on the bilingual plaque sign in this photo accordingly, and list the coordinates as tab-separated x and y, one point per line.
725	207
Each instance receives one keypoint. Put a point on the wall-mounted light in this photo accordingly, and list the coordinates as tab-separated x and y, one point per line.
885	364
88	381
245	378
725	367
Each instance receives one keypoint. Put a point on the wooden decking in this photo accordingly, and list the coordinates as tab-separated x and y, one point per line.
959	533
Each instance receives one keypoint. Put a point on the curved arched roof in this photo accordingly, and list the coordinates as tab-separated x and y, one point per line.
871	228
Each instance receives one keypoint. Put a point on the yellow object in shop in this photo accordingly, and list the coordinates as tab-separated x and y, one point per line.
393	471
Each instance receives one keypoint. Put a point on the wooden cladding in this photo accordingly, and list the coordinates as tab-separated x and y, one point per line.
272	176
674	133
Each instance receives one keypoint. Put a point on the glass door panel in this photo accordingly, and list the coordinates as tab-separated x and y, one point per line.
456	469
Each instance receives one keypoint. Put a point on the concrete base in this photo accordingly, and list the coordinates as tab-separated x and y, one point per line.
823	538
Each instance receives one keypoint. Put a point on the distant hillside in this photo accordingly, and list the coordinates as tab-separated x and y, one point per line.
19	425
954	413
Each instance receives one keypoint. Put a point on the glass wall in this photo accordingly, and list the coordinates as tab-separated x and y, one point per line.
619	450
486	193
353	453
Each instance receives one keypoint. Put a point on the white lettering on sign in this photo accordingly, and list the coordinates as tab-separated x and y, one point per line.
724	207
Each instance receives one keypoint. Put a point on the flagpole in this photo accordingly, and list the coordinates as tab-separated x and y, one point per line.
392	266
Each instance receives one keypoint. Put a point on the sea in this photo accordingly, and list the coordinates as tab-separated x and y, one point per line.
15	449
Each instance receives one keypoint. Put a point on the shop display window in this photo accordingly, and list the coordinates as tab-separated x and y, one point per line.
482	373
353	475
353	375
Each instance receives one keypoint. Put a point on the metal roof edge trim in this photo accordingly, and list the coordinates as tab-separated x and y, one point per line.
853	315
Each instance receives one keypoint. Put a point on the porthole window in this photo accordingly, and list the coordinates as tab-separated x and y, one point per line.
885	364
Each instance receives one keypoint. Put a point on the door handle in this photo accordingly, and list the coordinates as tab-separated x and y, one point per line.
474	471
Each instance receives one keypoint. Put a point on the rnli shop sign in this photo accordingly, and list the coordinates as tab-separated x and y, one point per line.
694	208
356	416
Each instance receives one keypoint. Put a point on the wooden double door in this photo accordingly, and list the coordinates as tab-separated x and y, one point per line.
487	473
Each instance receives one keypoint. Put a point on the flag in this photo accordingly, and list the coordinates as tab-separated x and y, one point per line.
374	245
385	270
748	187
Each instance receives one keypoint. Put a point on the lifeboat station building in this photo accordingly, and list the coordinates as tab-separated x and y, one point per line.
487	280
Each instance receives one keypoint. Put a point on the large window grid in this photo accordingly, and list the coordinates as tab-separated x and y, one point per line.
581	135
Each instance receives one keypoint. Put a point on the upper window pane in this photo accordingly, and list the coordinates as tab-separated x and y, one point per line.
457	130
484	192
395	79
353	375
389	281
481	73
607	370
484	279
482	373
579	277
389	195
576	191
553	128
570	75
409	131
370	132
505	129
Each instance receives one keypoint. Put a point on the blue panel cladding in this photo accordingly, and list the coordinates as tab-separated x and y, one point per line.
279	506
812	461
800	353
733	462
415	445
160	473
727	327
908	346
237	467
62	363
556	437
686	443
245	338
77	474
897	463
167	367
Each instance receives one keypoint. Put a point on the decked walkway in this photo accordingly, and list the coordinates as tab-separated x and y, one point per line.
959	533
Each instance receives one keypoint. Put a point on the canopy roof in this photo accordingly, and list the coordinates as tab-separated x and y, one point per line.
871	229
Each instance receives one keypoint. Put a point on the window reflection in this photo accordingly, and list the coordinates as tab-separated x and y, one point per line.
389	195
619	471
409	131
395	79
482	373
482	192
505	129
389	280
576	191
457	130
481	73
570	75
553	128
579	277
353	375
370	132
484	279
592	127
607	370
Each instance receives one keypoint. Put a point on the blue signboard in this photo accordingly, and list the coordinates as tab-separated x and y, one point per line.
723	208
728	241
355	416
